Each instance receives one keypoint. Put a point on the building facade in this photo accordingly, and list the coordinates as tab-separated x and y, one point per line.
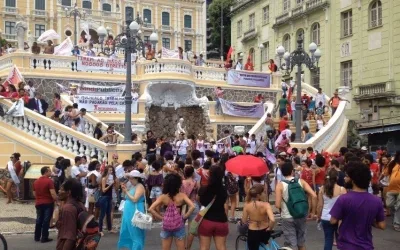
178	23
359	40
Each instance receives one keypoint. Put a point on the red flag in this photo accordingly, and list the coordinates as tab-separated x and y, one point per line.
228	56
14	77
289	97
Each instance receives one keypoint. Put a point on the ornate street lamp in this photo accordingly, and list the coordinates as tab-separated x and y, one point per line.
298	58
75	13
261	47
131	42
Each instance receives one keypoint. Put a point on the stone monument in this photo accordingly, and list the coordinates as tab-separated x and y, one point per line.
21	27
179	128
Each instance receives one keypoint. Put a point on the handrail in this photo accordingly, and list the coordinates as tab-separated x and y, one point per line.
91	119
259	128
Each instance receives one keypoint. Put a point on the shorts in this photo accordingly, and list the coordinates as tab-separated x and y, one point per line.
195	211
155	192
178	234
209	228
294	232
256	237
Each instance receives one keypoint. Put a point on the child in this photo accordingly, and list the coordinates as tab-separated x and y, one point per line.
311	107
320	109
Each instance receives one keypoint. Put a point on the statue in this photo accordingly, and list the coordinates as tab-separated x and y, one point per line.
179	128
21	27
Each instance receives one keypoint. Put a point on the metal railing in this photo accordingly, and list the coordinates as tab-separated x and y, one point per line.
373	89
39	12
10	9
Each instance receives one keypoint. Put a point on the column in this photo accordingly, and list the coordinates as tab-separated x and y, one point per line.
28	7
59	25
156	17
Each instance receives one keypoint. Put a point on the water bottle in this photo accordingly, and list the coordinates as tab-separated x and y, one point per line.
319	226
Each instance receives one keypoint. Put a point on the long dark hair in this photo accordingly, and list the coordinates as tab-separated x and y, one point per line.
172	185
106	171
330	181
215	181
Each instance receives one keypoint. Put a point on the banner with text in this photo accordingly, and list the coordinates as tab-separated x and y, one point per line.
233	109
87	63
96	90
105	103
248	78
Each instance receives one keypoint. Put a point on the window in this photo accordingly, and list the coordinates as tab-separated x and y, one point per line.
39	29
147	15
347	23
129	13
10	28
165	19
188	45
286	5
166	42
298	2
315	34
251	55
146	40
315	78
106	7
66	2
346	72
239	28
265	53
187	21
10	3
252	21
87	5
300	32
40	5
286	42
265	14
375	14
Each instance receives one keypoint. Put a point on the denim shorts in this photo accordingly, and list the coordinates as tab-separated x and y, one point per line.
178	234
155	192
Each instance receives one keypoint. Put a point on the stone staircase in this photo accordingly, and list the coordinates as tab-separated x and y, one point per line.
313	124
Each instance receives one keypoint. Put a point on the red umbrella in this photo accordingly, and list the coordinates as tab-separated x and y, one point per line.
247	165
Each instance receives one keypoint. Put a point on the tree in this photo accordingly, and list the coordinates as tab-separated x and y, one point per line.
214	15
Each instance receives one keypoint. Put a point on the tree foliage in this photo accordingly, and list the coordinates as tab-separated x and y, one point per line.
214	14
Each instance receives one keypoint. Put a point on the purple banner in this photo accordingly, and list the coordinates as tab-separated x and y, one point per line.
233	109
249	78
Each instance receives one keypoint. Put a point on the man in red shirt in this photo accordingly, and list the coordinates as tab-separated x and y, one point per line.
283	123
45	195
305	100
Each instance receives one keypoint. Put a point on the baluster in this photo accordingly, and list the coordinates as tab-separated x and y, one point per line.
14	121
75	147
87	152
34	63
26	125
87	128
49	64
42	132
37	130
64	141
72	66
59	141
70	145
100	155
45	63
93	152
81	149
32	126
53	137
21	123
91	129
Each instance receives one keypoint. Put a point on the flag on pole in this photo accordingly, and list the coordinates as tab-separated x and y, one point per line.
14	77
228	56
65	48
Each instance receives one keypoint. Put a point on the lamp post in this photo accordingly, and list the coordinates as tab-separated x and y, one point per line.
131	41
261	46
222	32
298	58
75	13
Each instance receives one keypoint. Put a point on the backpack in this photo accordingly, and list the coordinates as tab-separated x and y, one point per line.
231	184
297	204
88	236
172	220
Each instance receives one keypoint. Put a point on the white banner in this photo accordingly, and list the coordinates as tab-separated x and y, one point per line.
65	48
105	103
171	54
249	78
96	90
86	63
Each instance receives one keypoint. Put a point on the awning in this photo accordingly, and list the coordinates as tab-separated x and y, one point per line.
376	130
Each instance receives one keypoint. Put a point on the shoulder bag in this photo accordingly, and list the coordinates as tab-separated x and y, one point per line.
194	226
142	220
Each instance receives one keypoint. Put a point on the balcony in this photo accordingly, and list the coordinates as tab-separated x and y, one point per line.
166	28
10	37
188	31
239	5
374	91
39	13
148	26
10	10
249	35
300	10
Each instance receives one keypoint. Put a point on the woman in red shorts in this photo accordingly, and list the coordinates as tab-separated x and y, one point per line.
215	222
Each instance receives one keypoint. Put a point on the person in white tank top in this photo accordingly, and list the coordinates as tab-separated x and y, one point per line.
327	197
320	123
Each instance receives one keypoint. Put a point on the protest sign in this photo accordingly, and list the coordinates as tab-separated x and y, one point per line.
233	109
248	78
105	103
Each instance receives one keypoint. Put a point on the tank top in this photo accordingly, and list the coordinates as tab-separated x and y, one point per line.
284	211
335	102
306	175
320	124
328	204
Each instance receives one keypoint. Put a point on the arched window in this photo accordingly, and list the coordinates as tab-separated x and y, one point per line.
87	4
129	13
286	42
106	7
375	13
165	18
300	32
147	15
315	34
66	2
187	21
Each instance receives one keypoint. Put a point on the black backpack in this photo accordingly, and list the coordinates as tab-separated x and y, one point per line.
231	184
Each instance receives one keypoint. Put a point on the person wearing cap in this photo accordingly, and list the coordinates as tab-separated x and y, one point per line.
132	237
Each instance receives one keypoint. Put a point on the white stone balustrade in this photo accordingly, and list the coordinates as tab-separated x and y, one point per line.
205	73
170	66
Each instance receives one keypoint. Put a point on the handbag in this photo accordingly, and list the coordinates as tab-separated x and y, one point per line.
194	226
142	220
121	206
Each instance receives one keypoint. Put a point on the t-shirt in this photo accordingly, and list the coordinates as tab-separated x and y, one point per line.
182	147
98	132
75	172
42	188
253	147
151	144
283	103
355	231
394	184
217	210
374	167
